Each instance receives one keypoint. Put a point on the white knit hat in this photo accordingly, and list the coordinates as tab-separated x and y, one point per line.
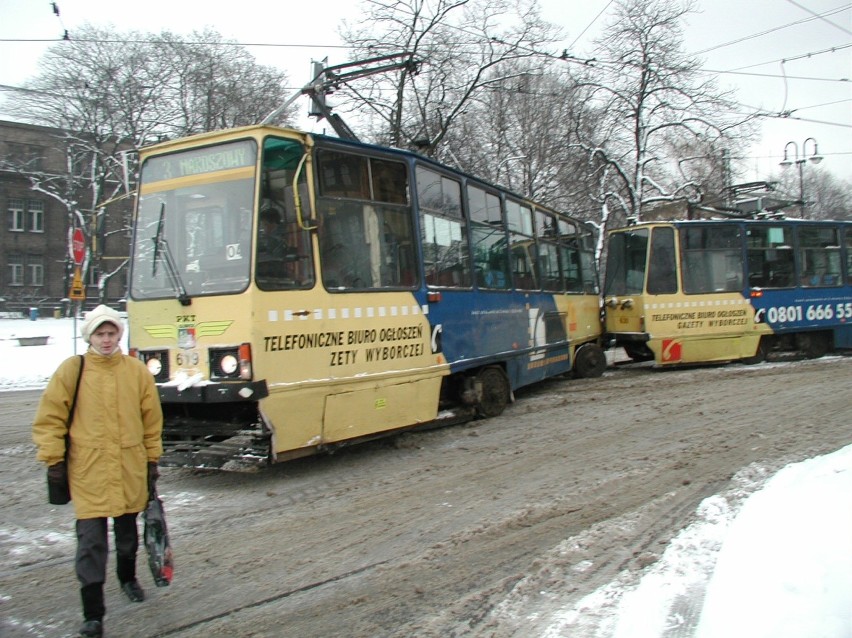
94	318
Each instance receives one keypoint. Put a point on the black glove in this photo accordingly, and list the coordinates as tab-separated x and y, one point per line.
153	475
58	492
57	473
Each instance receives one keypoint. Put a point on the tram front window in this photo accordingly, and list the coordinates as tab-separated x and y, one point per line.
193	228
625	263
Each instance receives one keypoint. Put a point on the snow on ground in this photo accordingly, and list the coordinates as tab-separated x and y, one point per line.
30	367
769	558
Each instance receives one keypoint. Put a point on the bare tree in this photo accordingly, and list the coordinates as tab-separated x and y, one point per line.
463	46
111	93
143	87
513	133
647	98
80	172
826	196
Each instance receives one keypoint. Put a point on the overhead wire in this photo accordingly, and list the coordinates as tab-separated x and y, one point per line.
563	57
836	26
772	30
802	56
588	26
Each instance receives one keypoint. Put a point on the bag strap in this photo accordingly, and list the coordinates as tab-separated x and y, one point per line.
76	390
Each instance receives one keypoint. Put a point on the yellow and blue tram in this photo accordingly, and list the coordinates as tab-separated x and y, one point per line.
723	290
292	292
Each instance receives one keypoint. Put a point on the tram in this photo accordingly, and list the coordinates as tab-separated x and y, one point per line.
723	290
294	292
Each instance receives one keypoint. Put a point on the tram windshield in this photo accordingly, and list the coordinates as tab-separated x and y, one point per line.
625	263
194	221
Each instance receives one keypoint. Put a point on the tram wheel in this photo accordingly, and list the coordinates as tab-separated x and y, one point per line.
494	394
589	361
812	344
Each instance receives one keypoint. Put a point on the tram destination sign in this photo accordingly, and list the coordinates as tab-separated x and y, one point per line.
199	161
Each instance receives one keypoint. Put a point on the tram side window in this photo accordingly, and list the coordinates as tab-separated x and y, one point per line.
548	262
588	269
366	234
589	273
849	256
770	256
522	246
547	233
490	248
284	256
662	274
577	272
446	255
711	258
625	262
819	256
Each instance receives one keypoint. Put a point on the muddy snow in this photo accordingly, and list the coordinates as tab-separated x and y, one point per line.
517	526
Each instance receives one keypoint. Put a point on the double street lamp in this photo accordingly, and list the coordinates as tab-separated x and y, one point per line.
800	162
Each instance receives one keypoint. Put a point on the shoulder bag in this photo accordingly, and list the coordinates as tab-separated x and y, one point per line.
58	489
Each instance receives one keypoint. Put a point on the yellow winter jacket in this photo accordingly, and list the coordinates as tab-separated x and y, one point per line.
117	429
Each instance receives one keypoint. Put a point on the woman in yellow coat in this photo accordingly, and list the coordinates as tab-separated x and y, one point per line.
115	443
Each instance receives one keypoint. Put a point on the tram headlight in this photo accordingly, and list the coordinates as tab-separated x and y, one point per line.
157	362
155	366
231	363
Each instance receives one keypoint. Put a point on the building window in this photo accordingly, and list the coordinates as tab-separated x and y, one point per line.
26	215
35	214
16	270
16	215
35	270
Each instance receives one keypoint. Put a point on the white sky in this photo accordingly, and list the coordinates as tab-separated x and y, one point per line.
310	32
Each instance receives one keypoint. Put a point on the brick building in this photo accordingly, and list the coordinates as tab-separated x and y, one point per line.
37	266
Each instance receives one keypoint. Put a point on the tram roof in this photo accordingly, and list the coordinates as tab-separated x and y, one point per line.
337	141
732	220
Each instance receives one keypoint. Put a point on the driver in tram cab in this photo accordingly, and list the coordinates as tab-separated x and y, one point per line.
276	259
270	238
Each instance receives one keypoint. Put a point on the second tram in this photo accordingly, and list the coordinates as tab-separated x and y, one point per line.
292	292
722	290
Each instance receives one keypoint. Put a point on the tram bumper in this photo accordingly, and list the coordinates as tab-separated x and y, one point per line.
214	392
215	425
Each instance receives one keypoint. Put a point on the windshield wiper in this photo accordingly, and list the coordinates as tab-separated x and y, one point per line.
162	250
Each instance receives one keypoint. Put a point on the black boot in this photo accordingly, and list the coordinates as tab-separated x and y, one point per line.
91	629
93	610
126	570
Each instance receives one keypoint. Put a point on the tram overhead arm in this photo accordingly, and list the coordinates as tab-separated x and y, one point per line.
327	79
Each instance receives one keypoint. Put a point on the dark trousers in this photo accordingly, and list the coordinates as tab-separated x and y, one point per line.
93	547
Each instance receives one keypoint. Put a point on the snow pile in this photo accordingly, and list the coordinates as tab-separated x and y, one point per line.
776	565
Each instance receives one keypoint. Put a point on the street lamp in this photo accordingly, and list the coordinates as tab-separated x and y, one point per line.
815	157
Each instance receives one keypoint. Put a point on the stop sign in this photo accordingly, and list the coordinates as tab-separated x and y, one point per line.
78	246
